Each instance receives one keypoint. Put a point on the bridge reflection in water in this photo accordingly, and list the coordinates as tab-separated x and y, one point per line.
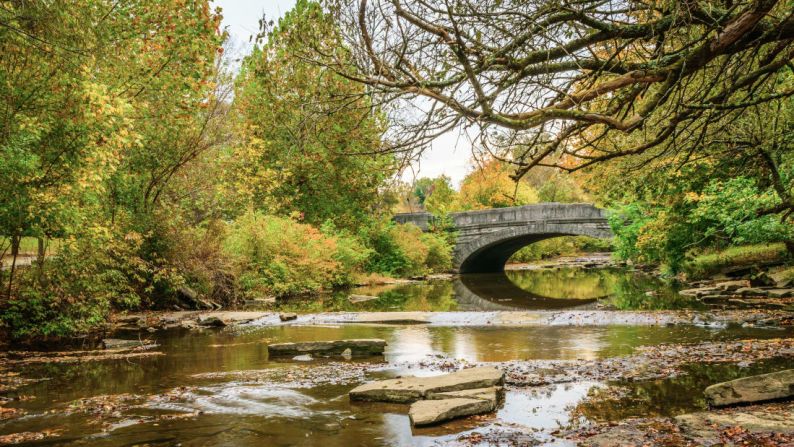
495	291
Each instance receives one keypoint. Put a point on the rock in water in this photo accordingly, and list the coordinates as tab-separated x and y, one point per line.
776	385
210	320
357	347
410	389
287	316
429	412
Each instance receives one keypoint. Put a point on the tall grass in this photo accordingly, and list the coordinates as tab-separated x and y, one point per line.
710	263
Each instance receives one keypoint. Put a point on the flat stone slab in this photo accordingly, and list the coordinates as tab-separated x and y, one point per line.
430	412
700	291
490	393
780	293
358	347
776	385
410	389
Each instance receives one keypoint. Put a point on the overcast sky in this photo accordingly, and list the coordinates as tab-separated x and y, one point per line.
450	155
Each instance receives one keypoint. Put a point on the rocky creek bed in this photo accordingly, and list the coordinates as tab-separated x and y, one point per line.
315	391
591	375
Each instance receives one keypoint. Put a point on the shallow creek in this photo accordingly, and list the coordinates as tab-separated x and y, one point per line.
202	391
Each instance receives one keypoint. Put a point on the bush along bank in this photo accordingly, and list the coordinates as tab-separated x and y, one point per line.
73	293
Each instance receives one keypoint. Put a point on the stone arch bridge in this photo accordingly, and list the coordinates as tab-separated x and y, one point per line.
486	239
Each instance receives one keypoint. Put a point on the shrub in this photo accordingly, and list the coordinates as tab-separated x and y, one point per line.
73	292
404	250
279	256
439	252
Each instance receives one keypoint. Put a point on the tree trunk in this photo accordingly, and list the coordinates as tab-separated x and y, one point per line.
40	257
15	240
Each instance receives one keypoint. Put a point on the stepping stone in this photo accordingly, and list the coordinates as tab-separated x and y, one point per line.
357	347
410	389
776	385
429	412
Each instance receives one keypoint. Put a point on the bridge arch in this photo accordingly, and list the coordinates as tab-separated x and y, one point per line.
490	252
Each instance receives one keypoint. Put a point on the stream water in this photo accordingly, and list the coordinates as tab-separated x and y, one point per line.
527	289
219	388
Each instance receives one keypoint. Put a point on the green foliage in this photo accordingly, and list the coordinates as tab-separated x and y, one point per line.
404	250
310	138
725	213
731	210
734	187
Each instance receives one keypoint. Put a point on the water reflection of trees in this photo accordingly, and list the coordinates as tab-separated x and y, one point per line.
433	296
566	282
637	291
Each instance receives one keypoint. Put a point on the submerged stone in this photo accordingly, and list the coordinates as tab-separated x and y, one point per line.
776	385
357	347
410	389
117	343
361	298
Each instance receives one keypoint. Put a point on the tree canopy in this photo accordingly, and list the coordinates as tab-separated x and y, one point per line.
565	78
